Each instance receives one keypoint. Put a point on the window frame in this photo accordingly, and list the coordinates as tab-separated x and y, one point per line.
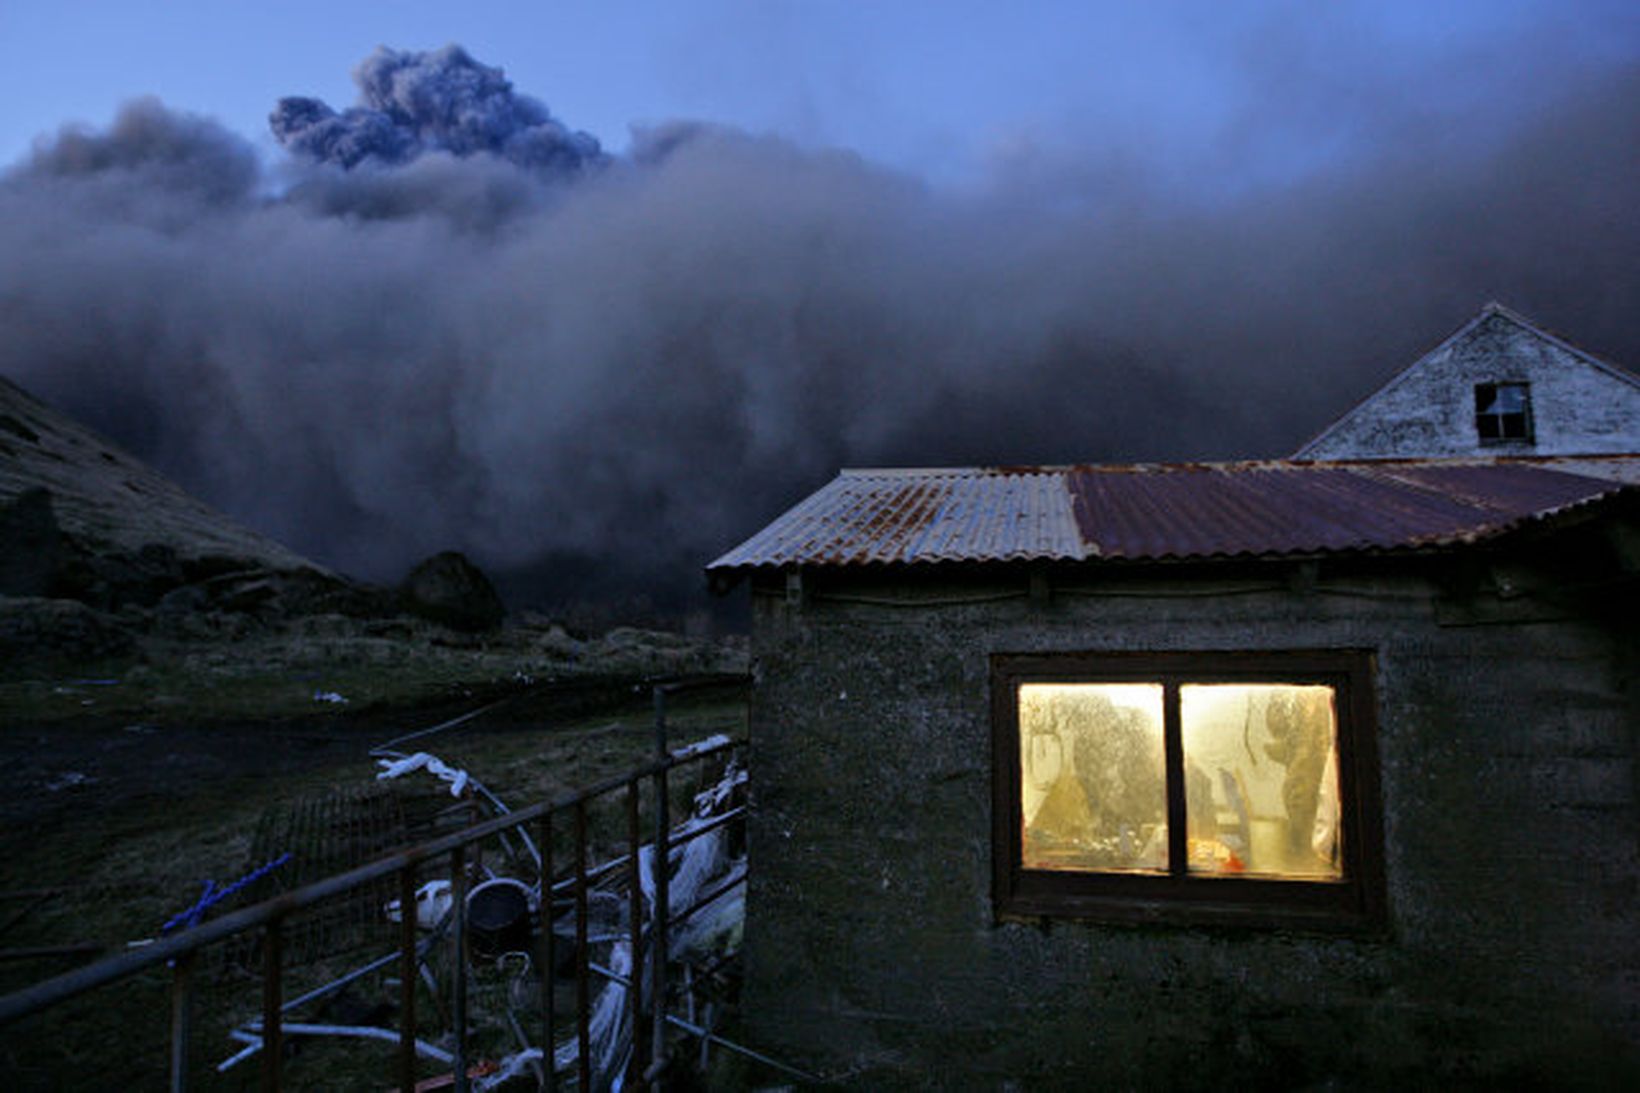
1354	903
1496	387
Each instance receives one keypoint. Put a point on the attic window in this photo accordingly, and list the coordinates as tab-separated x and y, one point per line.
1215	788
1503	412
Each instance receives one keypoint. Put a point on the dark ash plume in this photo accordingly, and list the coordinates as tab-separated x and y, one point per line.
443	100
602	382
151	150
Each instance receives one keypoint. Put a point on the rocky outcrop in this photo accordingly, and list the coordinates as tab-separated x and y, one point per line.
34	629
102	555
82	520
112	504
32	552
450	590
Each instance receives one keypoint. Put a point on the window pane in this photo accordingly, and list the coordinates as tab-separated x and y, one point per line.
1261	780
1092	769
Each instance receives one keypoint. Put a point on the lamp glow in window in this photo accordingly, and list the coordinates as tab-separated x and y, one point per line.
1261	780
1093	775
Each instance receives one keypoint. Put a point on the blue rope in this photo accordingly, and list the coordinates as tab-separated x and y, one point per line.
211	895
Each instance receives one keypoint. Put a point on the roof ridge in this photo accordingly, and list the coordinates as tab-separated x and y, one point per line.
1617	370
1395	379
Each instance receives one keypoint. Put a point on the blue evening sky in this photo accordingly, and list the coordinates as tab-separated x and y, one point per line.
952	91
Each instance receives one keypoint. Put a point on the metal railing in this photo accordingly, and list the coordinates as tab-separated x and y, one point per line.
647	1009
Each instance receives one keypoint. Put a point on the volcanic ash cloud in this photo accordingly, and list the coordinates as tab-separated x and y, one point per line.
411	103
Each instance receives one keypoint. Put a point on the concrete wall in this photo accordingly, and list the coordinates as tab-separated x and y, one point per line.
1507	741
1429	410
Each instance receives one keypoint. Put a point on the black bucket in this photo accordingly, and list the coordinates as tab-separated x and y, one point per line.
498	918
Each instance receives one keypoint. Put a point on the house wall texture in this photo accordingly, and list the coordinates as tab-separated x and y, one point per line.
1507	732
1578	408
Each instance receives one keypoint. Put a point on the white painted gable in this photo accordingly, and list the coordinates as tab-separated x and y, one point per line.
1574	403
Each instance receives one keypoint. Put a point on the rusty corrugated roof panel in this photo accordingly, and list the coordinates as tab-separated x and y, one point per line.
1284	508
1623	468
1504	488
1160	511
920	516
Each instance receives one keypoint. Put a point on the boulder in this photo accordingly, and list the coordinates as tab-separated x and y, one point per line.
452	591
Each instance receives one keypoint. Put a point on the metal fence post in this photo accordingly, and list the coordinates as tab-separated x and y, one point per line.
634	844
182	1000
273	958
546	968
663	866
407	977
583	1004
458	954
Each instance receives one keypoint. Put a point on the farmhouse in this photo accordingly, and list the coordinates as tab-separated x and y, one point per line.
1296	771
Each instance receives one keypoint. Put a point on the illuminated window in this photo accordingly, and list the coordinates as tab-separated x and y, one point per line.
1503	411
1187	787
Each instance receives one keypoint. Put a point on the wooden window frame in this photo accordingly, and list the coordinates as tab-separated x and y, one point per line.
1354	903
1498	418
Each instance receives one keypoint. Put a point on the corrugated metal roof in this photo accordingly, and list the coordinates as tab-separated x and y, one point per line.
1158	511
